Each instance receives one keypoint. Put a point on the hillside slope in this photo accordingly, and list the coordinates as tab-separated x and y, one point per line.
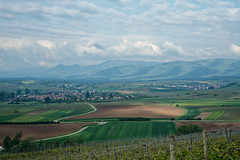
120	70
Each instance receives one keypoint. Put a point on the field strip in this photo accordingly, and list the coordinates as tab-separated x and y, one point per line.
94	110
66	135
70	134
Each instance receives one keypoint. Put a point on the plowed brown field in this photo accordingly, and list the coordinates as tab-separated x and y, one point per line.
38	131
148	111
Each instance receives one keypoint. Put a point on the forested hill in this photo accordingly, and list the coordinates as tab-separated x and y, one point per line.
121	70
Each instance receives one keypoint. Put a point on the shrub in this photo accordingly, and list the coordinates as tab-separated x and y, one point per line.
189	129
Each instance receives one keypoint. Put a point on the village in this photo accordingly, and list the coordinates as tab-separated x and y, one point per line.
69	92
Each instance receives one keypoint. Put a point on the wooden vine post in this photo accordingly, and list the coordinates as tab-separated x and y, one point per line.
172	147
205	144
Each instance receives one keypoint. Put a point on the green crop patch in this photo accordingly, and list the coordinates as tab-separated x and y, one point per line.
33	112
190	113
214	115
124	130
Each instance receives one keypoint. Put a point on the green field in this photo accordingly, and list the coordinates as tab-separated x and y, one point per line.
47	112
190	113
223	112
124	130
214	115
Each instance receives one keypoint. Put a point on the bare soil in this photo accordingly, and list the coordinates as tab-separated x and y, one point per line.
38	131
126	92
212	126
149	111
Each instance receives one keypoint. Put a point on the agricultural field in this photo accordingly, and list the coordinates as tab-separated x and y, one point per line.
34	112
212	126
39	131
146	111
232	115
12	86
190	113
124	130
162	104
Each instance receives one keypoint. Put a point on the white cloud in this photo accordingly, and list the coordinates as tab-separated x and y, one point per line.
204	52
13	43
89	49
46	44
185	5
172	47
26	60
42	63
147	47
123	2
143	48
235	48
67	31
122	47
60	11
21	8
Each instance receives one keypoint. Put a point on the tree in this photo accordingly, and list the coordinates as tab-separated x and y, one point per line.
12	95
2	95
36	91
19	91
47	100
111	95
16	140
7	143
87	94
25	144
27	91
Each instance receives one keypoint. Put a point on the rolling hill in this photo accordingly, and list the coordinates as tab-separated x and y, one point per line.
121	70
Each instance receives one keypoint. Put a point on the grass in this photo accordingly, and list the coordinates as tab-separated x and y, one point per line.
214	115
124	130
190	113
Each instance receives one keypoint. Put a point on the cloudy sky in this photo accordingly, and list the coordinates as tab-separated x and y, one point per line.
50	32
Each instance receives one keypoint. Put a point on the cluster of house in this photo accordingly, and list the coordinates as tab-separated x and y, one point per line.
62	96
191	87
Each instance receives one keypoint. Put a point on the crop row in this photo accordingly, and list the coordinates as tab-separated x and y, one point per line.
219	146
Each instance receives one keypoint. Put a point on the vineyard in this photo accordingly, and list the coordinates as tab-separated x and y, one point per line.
211	145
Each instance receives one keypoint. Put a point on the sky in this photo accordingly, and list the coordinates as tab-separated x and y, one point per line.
50	32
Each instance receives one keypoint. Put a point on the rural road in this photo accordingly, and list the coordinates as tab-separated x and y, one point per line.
94	110
82	129
70	134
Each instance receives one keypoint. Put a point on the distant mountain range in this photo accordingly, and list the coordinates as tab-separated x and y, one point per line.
121	70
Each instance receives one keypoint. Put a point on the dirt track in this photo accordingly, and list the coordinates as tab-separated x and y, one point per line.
38	131
152	111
